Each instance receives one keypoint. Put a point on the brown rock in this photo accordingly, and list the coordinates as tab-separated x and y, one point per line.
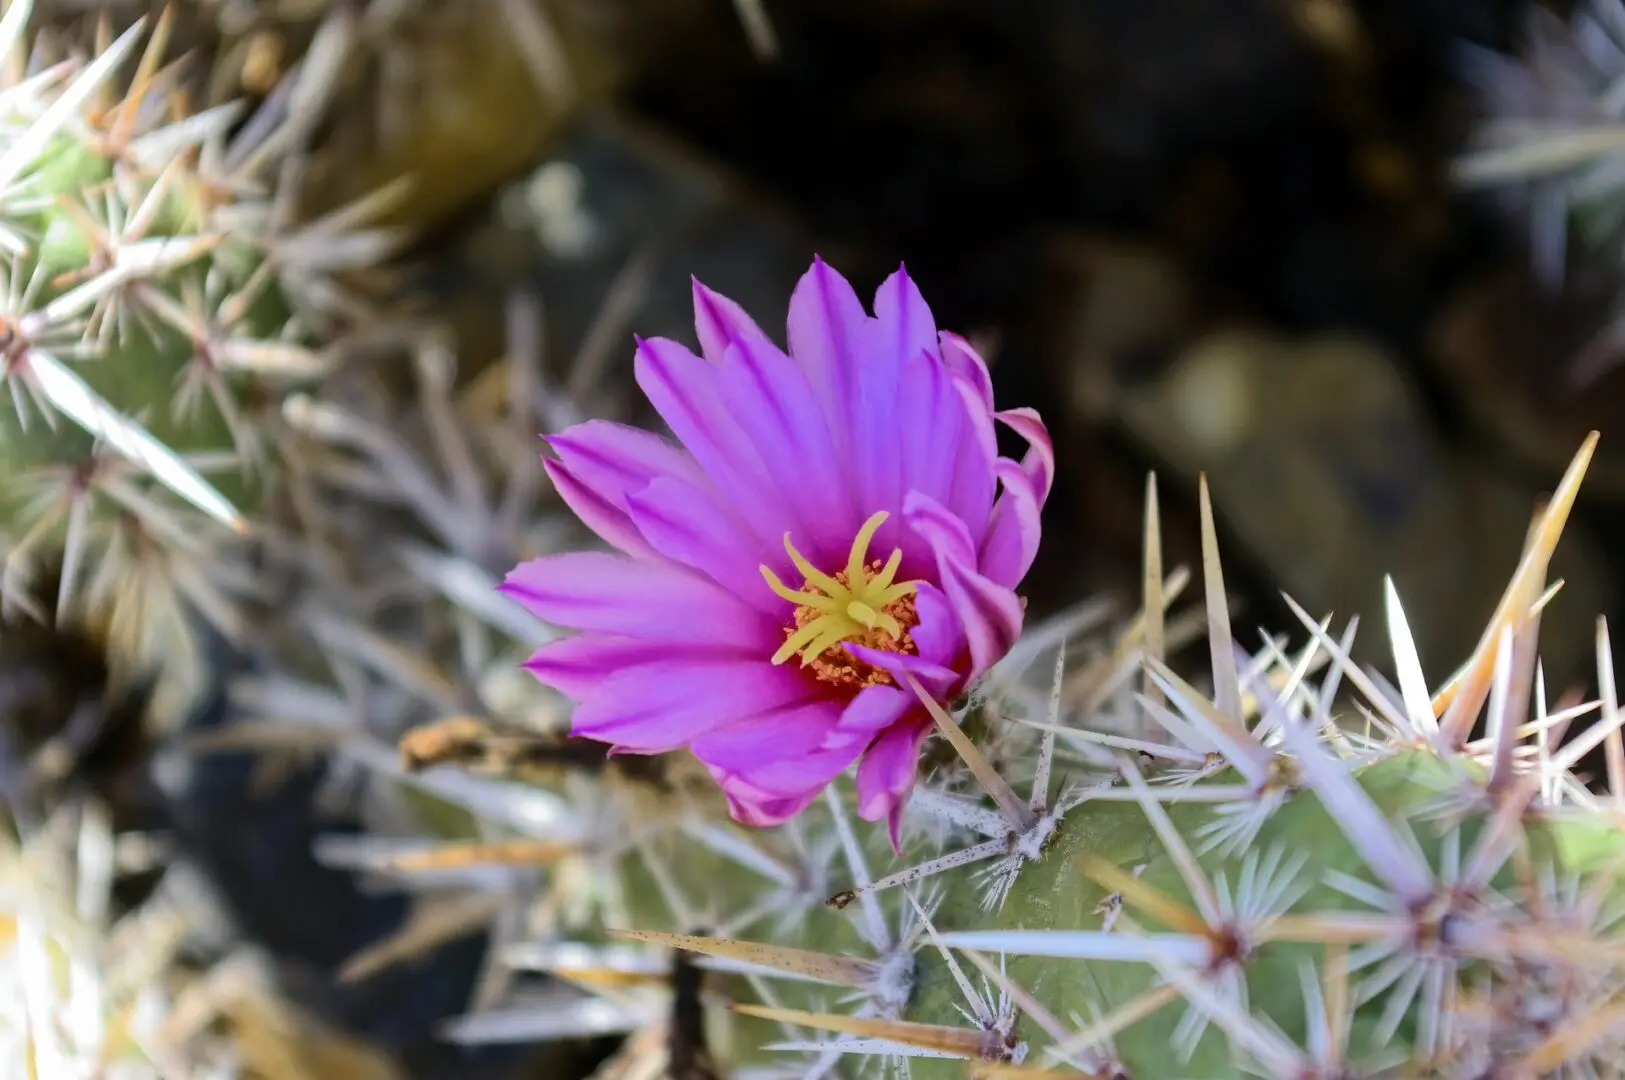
1510	355
1321	462
459	97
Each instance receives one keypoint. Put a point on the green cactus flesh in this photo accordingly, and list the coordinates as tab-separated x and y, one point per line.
1056	894
137	368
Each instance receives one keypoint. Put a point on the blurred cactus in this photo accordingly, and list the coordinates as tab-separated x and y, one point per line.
160	301
1548	144
97	990
1549	135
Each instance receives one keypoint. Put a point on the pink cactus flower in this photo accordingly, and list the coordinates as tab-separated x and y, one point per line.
832	535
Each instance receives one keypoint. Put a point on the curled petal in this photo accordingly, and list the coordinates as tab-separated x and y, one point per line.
964	361
937	636
811	773
660	707
939	681
990	614
753	808
941	529
799	750
1012	537
872	711
887	773
789	778
590	590
1039	461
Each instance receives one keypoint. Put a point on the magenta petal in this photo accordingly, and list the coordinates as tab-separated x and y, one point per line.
1012	537
934	679
750	807
873	710
660	707
989	614
1040	459
785	778
574	666
608	521
970	492
906	326
892	409
939	453
887	773
937	637
613	459
769	398
750	744
718	320
943	530
981	424
810	772
590	590
687	393
827	335
862	414
690	525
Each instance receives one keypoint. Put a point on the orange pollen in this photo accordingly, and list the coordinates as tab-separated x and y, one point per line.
862	604
839	667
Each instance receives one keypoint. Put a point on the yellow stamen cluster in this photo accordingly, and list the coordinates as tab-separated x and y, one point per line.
860	603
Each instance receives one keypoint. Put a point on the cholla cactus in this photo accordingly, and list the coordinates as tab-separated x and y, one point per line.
159	302
1286	868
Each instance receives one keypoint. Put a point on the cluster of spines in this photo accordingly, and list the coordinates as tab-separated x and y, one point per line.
159	302
1547	146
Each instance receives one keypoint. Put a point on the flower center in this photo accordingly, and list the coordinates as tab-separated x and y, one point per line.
861	604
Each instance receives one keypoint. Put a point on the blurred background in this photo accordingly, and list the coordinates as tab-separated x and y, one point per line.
1336	254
